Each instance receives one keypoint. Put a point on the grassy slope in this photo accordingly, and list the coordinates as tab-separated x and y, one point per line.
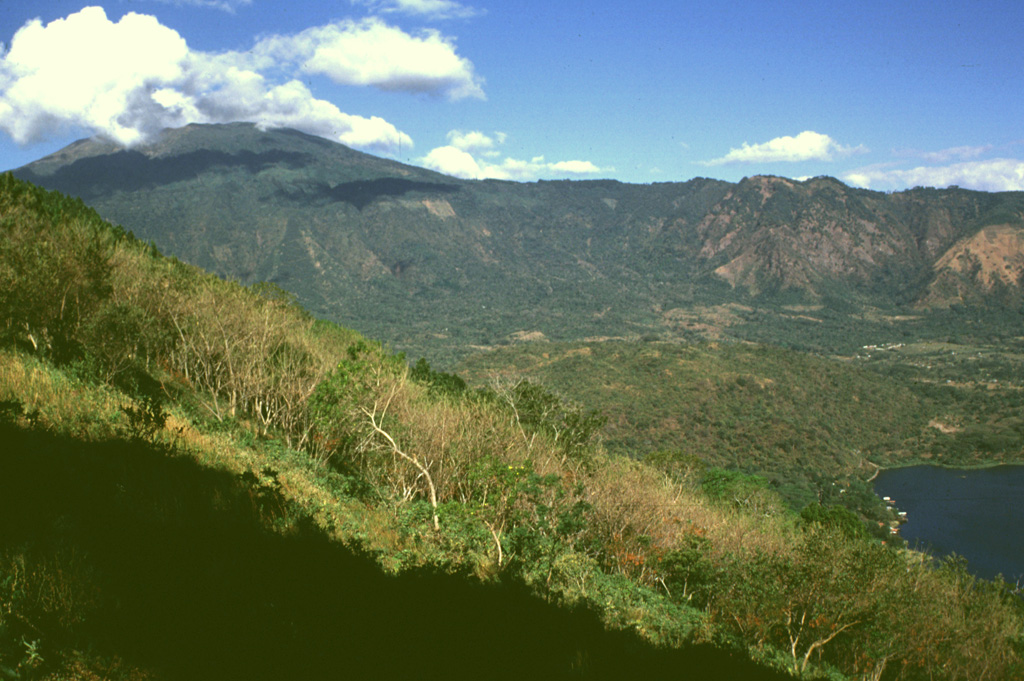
314	429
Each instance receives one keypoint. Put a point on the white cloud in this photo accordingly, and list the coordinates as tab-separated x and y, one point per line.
453	161
574	167
458	159
962	153
435	9
998	174
370	52
129	79
225	5
86	71
475	141
807	146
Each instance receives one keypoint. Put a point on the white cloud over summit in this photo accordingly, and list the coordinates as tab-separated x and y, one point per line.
457	159
807	146
128	79
453	161
993	175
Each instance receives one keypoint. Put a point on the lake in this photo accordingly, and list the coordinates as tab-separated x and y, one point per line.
978	514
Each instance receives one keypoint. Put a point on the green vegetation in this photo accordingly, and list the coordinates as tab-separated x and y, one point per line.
311	427
435	266
817	428
975	391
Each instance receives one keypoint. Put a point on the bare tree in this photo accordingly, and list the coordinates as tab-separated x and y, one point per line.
376	416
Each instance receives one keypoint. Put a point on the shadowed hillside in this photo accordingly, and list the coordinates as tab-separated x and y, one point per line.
182	578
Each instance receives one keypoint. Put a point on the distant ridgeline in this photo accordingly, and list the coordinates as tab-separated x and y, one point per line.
434	265
200	480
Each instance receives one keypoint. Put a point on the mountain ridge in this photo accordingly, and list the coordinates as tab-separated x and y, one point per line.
379	245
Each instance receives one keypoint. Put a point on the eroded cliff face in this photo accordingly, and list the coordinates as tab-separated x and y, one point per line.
773	233
989	263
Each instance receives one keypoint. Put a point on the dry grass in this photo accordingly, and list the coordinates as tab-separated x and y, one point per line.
59	402
640	513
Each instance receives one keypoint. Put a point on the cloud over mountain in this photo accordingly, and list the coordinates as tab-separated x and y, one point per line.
125	80
962	153
462	158
994	175
807	146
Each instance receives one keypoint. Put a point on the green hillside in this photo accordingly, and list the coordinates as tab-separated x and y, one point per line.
203	481
802	421
761	409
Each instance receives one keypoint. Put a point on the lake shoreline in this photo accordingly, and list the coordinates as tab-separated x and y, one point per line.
961	510
945	466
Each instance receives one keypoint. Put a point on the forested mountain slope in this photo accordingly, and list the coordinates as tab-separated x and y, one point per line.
433	264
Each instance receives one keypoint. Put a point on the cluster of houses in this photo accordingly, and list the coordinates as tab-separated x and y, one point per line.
870	348
887	346
901	516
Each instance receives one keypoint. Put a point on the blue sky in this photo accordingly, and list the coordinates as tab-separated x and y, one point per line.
886	95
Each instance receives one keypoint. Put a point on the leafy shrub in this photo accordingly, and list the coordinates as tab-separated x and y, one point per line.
440	383
834	518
